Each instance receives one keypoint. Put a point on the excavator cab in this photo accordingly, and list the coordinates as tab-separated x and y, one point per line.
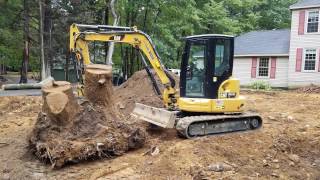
206	83
208	62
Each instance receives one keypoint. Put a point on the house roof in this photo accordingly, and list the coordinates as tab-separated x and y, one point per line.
263	43
305	4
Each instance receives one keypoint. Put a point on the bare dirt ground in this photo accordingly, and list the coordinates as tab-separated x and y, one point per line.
287	147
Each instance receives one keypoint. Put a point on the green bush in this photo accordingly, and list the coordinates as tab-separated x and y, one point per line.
261	85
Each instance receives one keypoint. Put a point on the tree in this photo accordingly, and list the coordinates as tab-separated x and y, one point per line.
115	23
43	63
165	21
47	37
275	14
26	37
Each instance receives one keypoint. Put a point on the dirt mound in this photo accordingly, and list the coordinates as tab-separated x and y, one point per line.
139	89
68	132
309	89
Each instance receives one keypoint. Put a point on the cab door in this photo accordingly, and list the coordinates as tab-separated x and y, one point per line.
193	79
220	64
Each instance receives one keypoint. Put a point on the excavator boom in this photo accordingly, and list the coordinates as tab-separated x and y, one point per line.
80	35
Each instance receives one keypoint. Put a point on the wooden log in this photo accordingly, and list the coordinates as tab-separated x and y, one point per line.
47	82
98	86
60	104
21	86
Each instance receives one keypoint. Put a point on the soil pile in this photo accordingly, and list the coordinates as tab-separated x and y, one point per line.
138	89
68	132
309	89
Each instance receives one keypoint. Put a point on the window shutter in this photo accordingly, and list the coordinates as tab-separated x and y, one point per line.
254	67
302	19
299	59
273	67
319	63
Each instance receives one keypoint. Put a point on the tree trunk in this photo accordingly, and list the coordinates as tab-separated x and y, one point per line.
94	52
2	67
60	104
43	64
115	23
21	86
25	61
123	62
106	21
145	17
155	21
66	66
127	75
98	84
47	31
126	49
178	54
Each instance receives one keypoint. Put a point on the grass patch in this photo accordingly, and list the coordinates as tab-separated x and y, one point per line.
261	85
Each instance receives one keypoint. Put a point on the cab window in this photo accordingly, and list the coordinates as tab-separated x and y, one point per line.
195	81
222	57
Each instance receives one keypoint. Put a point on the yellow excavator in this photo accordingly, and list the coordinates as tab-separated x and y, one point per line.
209	102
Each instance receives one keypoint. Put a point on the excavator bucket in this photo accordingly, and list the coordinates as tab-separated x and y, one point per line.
157	116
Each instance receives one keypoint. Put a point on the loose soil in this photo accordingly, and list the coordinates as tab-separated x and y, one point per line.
287	147
139	89
309	89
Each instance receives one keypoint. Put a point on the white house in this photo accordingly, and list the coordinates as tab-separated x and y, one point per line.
284	58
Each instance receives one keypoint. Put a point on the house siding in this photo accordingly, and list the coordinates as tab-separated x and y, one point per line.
296	78
242	71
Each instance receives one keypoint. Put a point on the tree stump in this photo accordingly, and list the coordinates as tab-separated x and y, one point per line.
66	131
60	104
98	86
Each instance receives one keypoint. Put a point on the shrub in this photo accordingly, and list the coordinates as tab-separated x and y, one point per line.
261	85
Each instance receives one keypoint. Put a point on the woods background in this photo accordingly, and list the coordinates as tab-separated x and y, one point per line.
34	33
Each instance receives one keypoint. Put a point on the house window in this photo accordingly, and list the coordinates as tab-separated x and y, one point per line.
263	70
310	59
313	22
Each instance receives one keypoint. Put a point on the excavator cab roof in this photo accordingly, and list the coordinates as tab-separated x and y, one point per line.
207	36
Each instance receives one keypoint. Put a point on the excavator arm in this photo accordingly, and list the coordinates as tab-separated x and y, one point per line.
81	35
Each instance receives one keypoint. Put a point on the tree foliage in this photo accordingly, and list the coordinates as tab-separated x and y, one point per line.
166	21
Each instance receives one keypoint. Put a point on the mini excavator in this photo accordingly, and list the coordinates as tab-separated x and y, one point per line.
209	100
